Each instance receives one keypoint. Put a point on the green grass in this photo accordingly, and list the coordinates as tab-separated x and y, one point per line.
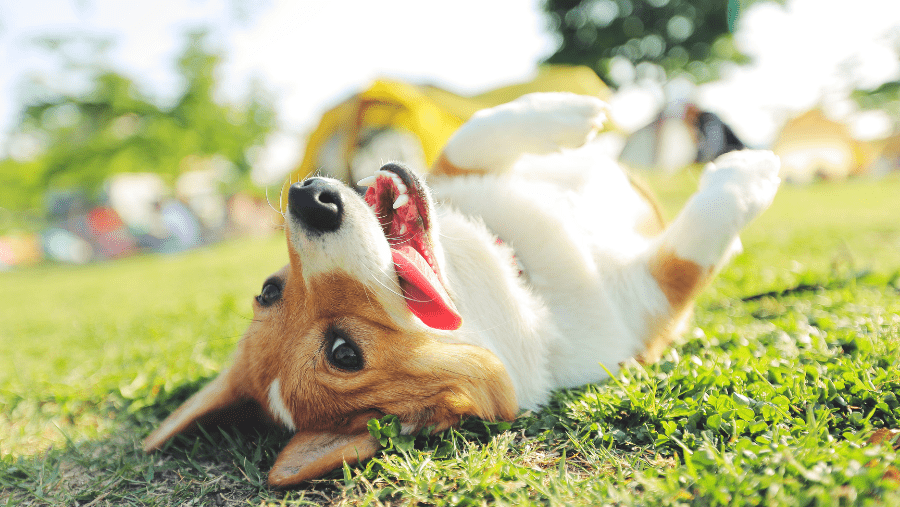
770	399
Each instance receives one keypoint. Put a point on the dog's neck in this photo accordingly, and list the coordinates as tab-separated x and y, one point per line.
491	289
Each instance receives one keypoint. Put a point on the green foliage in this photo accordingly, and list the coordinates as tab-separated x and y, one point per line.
682	36
21	185
789	366
388	432
113	128
886	97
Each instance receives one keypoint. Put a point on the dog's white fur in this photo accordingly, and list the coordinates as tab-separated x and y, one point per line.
570	217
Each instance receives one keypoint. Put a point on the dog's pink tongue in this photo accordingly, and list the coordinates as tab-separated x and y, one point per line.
424	294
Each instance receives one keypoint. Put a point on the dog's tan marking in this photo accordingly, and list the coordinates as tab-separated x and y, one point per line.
338	294
679	279
443	167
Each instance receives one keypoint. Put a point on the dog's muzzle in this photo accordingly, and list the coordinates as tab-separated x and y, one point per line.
317	204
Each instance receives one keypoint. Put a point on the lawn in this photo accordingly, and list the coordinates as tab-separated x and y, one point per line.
776	395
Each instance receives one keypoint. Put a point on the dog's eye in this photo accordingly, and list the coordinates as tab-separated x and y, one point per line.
271	292
343	353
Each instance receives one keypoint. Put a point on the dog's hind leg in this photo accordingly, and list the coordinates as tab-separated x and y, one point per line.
539	123
734	190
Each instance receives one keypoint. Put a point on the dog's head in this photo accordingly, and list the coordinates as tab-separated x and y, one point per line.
357	325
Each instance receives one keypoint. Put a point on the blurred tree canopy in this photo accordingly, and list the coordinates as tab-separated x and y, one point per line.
690	37
886	98
84	138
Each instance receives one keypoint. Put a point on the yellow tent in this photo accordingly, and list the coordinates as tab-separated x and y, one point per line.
395	120
813	146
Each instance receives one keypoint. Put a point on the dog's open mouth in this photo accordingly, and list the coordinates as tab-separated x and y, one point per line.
400	205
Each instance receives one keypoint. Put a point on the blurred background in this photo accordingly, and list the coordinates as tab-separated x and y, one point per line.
161	126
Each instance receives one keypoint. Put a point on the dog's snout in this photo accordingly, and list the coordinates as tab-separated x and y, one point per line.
317	203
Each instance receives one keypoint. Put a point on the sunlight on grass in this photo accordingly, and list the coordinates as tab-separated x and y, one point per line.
73	335
788	368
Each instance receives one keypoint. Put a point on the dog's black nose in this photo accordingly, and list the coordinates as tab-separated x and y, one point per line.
317	203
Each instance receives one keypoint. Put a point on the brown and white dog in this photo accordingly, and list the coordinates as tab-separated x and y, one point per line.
528	260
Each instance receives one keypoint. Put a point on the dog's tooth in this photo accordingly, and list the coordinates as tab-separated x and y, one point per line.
402	228
401	188
384	173
403	199
367	181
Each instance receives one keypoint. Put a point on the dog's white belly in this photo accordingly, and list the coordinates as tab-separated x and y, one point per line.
572	231
603	323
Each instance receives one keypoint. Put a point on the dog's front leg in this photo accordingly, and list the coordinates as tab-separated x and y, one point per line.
734	190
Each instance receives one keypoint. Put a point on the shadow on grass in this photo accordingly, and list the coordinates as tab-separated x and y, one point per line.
216	464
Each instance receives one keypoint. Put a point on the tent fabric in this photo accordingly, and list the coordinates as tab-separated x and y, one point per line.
812	146
429	113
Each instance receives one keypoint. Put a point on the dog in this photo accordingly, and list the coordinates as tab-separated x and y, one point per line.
529	261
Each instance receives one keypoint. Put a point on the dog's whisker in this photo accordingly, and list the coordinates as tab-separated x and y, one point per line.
269	203
459	374
366	292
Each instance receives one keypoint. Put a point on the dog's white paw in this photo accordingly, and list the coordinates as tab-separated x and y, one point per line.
538	123
742	183
734	190
546	122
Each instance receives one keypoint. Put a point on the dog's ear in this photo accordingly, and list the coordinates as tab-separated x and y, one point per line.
213	400
310	455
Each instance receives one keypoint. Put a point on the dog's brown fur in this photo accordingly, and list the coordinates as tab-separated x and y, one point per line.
325	401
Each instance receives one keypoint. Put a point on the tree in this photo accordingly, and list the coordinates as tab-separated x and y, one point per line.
681	36
113	128
884	96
